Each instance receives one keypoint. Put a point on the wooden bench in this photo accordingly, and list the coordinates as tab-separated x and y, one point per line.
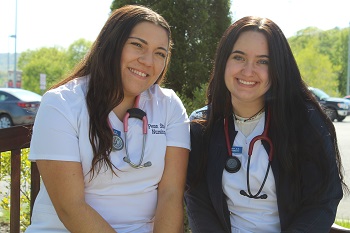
16	138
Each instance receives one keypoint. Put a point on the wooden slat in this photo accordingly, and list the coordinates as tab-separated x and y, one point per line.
15	190
17	137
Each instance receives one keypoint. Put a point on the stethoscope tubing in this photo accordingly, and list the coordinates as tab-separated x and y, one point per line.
135	112
262	137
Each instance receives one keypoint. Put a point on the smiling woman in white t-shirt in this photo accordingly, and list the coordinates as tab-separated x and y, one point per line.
112	145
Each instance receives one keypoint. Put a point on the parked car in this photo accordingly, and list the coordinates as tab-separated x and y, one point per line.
336	108
347	97
17	106
199	113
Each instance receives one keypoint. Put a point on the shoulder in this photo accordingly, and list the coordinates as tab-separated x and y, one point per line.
157	91
317	128
71	93
315	119
162	97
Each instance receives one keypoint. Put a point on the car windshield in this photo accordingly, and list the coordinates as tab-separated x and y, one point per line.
320	94
25	95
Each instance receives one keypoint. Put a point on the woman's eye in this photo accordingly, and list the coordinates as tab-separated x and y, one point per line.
136	44
163	55
264	62
238	58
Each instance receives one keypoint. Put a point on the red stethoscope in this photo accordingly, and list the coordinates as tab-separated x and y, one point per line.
134	112
233	164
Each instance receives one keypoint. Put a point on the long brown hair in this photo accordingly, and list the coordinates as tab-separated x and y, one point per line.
102	65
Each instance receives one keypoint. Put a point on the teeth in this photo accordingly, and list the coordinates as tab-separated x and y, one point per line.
246	82
138	72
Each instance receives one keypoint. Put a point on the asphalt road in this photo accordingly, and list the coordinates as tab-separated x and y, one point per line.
343	135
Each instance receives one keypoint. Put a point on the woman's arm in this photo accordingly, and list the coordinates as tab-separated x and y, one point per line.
170	210
317	213
201	214
65	186
200	210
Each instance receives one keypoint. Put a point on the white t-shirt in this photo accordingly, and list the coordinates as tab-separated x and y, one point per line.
127	201
248	215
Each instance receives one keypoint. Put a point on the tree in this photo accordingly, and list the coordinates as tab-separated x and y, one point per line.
197	26
55	62
329	59
77	51
317	74
334	43
50	61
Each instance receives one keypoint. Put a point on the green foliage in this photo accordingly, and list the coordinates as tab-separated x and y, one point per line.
4	217
5	169
49	61
322	58
77	51
197	26
320	74
343	223
198	100
55	62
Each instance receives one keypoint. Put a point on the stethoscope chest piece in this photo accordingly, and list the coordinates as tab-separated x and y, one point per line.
232	164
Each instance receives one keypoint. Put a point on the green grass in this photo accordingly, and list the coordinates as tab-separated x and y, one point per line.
343	223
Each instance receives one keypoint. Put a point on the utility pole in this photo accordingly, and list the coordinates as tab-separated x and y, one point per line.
15	63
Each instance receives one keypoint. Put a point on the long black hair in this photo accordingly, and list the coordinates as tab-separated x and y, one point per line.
288	98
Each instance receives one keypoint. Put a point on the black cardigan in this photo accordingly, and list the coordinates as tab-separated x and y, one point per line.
206	203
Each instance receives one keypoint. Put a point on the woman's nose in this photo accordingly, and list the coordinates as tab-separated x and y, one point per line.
248	69
146	59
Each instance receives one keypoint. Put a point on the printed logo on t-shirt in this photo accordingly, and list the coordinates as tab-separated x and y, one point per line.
157	128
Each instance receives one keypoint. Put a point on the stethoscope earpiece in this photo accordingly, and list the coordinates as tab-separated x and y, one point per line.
244	193
127	160
147	164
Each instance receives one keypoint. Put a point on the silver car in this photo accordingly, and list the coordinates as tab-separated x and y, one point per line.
17	106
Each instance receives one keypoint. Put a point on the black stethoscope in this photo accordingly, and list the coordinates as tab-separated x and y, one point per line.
233	164
117	144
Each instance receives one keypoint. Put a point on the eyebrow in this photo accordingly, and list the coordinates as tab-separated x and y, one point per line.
145	42
240	52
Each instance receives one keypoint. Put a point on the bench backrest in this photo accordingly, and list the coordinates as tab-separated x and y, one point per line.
14	139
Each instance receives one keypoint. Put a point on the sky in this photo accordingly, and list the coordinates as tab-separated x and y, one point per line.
47	23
